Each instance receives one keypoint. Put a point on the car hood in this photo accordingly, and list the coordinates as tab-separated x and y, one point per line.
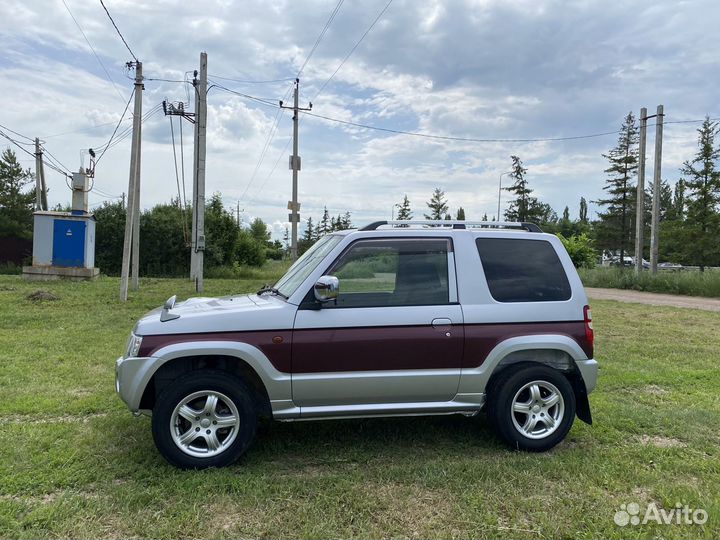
225	314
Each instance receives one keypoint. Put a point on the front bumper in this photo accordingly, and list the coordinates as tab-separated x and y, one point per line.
129	380
589	372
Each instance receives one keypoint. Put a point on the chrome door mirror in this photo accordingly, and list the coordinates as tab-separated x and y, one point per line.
326	288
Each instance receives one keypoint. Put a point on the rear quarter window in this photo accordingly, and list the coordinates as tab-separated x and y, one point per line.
519	270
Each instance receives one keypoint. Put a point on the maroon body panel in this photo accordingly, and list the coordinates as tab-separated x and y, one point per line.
277	353
376	348
480	339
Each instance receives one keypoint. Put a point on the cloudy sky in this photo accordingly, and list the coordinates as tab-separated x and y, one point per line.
487	69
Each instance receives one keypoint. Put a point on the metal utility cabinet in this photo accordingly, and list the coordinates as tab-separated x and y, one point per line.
64	242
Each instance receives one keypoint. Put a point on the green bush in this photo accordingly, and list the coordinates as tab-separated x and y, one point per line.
581	250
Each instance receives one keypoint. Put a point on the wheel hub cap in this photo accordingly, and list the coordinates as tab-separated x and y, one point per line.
205	423
537	410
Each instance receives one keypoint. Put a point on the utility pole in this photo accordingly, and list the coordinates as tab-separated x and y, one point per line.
134	170
135	264
198	216
655	229
38	176
238	213
40	187
640	210
294	205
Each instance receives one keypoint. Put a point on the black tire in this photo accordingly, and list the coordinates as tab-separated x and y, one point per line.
516	381
230	391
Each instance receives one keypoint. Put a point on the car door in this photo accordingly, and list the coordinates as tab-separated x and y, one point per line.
394	334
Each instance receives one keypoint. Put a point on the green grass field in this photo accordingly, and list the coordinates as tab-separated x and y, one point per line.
75	463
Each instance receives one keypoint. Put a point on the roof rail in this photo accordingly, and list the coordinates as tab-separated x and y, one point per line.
455	224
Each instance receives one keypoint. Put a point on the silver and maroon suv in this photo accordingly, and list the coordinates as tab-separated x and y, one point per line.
397	318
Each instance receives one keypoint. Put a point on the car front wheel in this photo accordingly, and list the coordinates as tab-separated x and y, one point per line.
204	420
532	407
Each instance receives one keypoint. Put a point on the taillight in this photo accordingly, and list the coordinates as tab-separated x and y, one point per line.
589	333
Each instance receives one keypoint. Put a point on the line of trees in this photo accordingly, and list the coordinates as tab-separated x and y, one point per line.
165	239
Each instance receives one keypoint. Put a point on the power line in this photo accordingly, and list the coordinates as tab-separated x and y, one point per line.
118	31
382	12
280	155
116	127
320	36
32	141
56	160
181	205
268	141
16	143
452	138
263	101
93	51
80	130
245	81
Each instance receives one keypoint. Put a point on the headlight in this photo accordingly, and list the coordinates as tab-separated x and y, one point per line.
133	346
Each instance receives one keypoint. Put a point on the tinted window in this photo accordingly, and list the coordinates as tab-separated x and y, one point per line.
375	273
523	270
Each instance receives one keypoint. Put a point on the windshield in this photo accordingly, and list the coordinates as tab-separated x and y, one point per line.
305	265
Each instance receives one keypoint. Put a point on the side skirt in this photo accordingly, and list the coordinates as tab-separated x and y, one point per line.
467	404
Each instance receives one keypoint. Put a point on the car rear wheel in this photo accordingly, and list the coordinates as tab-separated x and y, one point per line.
531	407
204	420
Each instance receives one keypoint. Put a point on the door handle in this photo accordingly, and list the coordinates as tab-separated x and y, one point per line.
441	323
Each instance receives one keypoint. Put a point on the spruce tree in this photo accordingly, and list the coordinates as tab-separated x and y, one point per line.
16	205
309	234
404	212
702	197
460	216
324	225
437	205
616	229
520	207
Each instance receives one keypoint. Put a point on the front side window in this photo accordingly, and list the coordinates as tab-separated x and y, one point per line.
520	270
305	265
375	273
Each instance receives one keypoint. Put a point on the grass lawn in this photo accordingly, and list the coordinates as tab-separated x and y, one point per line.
75	463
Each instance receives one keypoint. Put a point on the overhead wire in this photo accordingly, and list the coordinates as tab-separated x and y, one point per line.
264	101
17	143
268	141
122	117
342	63
177	179
112	81
32	141
357	44
320	36
118	31
245	81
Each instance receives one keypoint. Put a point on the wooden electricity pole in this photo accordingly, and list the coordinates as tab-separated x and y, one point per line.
198	209
294	205
132	207
655	229
640	210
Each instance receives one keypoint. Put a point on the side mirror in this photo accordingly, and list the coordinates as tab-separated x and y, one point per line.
326	288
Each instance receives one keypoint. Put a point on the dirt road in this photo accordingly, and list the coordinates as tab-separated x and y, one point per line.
621	295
